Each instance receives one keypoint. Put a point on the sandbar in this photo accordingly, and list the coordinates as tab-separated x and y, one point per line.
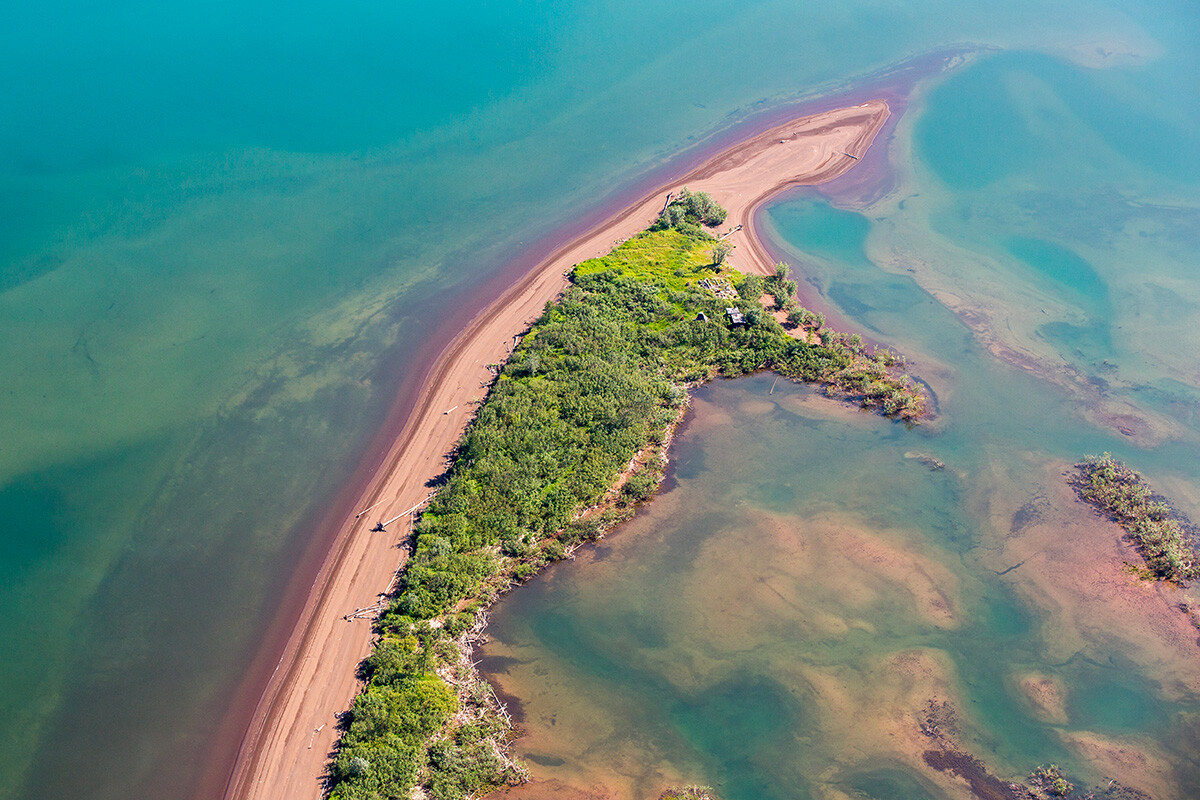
285	748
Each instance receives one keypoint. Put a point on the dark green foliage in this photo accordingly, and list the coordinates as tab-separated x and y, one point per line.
464	764
598	378
751	288
639	487
395	658
1119	491
720	252
781	287
687	212
389	723
412	709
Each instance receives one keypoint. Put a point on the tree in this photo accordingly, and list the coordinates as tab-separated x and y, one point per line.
720	252
750	288
688	211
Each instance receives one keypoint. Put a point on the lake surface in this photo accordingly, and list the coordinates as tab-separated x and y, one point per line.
778	622
224	231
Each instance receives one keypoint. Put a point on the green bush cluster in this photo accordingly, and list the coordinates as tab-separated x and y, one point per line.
599	377
1117	490
783	289
688	212
1049	781
464	764
402	706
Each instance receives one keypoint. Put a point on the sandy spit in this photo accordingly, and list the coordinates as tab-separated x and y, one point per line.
284	750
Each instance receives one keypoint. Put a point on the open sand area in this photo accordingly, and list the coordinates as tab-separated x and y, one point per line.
284	750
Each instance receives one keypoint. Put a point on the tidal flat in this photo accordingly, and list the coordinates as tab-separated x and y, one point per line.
780	620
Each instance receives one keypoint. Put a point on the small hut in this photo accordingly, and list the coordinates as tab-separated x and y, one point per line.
735	316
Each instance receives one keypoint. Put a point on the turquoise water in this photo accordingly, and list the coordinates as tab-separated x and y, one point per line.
224	230
775	623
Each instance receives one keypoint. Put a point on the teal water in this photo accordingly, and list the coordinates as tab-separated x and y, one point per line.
223	233
776	621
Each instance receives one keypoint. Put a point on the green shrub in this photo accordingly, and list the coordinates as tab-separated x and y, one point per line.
464	765
688	211
640	486
1120	492
1050	780
688	793
750	288
552	550
411	710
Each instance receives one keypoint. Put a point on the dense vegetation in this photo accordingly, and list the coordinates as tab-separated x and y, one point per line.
1120	492
687	212
588	400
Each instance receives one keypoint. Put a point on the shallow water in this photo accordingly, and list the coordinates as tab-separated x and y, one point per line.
223	233
777	620
775	623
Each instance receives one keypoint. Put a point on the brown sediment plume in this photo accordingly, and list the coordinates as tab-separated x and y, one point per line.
1064	560
984	785
285	747
538	789
859	566
1143	426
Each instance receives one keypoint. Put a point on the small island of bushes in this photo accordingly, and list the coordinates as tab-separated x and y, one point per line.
586	403
1162	537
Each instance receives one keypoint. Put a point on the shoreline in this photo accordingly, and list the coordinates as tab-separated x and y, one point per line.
285	746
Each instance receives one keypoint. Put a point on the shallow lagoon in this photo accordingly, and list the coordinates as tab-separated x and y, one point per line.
777	621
